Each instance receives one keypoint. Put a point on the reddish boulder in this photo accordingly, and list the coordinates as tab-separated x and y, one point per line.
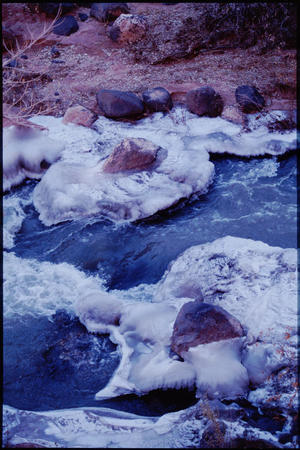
80	116
131	154
201	323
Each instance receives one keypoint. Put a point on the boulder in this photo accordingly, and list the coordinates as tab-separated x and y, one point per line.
80	116
51	9
108	12
131	154
115	104
232	114
128	28
83	17
249	99
157	99
65	26
204	102
201	323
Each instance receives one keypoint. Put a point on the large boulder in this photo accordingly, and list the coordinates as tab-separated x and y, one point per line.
128	28
65	26
116	104
249	99
51	9
80	116
201	323
204	102
108	12
157	99
131	154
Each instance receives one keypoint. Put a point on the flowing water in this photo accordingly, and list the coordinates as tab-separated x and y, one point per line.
50	361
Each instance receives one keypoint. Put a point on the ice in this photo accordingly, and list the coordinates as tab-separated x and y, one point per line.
26	154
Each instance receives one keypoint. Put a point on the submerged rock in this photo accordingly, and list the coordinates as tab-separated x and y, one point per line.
131	154
201	323
204	102
249	99
128	28
116	104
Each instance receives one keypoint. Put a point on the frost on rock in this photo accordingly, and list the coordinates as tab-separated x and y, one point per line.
27	153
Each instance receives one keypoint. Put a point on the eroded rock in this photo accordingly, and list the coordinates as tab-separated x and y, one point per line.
115	104
131	154
201	323
128	28
204	102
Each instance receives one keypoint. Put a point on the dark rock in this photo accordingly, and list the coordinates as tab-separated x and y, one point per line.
201	323
128	28
24	56
107	12
204	102
51	9
55	53
13	63
117	104
56	93
65	26
131	154
83	17
157	99
58	61
249	99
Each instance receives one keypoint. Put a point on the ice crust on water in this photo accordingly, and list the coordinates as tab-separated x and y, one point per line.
76	187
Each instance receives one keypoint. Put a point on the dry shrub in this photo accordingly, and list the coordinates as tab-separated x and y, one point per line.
20	85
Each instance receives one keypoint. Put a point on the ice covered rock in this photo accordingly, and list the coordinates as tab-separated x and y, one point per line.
27	153
73	191
131	154
201	323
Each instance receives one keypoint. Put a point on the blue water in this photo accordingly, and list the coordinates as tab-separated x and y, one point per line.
54	363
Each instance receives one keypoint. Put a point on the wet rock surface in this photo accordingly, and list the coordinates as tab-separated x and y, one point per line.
131	154
201	323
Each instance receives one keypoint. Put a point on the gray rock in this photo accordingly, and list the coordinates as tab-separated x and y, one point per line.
157	99
204	102
131	154
65	26
249	99
115	104
201	323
